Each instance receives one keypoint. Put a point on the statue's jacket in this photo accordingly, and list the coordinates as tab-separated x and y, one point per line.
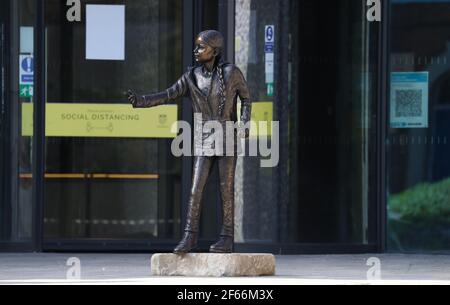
208	107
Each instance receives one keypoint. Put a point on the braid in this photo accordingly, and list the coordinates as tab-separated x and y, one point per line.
222	90
215	40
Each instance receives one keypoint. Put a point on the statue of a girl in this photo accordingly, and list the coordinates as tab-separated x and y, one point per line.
213	86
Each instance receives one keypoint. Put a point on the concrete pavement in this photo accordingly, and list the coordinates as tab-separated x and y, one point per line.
298	269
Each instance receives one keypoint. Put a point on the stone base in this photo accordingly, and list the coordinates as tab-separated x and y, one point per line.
213	265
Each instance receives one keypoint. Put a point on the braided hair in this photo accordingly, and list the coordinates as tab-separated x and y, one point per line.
215	40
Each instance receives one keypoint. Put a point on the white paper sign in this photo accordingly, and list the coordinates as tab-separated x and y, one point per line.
26	39
105	32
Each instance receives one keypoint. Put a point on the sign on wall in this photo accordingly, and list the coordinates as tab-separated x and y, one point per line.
269	50
103	120
26	75
409	100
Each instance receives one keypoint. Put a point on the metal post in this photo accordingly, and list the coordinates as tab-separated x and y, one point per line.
383	81
187	112
226	26
39	125
283	110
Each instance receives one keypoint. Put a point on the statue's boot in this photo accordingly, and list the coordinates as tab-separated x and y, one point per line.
190	238
188	243
226	240
202	166
227	166
224	245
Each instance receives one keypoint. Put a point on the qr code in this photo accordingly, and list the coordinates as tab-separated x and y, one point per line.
408	103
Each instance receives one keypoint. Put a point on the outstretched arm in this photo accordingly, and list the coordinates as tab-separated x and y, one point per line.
179	89
147	101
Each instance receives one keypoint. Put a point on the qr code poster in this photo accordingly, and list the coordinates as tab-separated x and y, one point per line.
409	100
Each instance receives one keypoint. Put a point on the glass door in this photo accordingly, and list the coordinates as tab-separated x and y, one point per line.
418	142
3	122
110	175
312	66
335	102
17	82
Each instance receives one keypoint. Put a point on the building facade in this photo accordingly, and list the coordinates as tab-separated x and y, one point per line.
364	137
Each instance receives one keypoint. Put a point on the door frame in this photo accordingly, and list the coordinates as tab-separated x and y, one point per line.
191	25
383	96
38	157
377	209
9	108
5	207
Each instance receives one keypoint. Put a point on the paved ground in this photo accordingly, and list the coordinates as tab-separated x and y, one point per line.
299	269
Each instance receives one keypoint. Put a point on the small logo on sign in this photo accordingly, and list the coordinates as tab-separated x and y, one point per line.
27	64
269	34
162	119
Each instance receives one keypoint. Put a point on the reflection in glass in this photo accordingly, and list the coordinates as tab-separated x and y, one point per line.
418	158
330	104
16	21
16	29
118	188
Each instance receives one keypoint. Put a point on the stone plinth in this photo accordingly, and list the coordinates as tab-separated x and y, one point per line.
213	265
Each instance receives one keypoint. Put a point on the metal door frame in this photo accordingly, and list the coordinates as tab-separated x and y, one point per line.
190	27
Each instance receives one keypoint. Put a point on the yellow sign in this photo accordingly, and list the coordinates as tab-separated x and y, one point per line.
262	116
103	120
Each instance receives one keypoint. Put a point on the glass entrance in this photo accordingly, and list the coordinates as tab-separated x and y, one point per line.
16	93
418	142
110	174
3	121
319	80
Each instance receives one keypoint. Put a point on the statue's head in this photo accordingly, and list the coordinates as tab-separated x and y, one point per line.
208	46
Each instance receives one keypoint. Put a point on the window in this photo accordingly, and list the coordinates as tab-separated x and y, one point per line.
323	91
103	182
16	64
418	170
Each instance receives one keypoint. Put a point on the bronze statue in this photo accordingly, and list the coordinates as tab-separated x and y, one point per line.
213	86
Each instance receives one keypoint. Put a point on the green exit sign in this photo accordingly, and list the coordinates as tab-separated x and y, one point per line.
270	89
26	90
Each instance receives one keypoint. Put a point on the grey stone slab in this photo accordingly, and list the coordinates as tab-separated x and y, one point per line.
213	265
136	267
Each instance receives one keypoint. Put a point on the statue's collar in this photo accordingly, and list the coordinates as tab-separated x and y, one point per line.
221	64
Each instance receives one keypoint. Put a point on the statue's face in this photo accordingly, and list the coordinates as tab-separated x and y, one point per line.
203	53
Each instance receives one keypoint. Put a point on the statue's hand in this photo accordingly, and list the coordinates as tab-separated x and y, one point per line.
147	101
133	98
243	133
